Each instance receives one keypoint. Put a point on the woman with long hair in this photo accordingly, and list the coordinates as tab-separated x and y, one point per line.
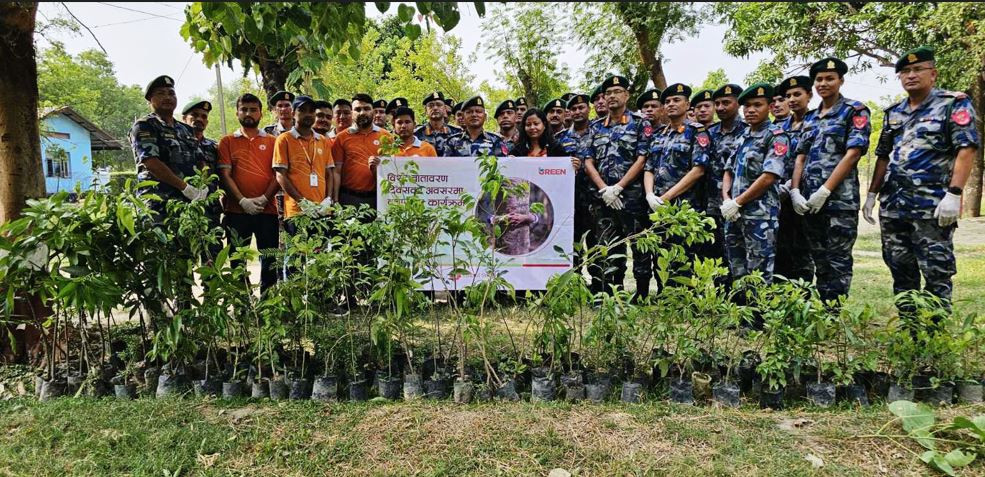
536	138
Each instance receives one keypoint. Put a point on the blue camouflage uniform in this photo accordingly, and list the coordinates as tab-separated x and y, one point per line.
925	142
724	144
586	194
675	153
462	145
832	232
616	145
437	138
751	240
175	146
793	251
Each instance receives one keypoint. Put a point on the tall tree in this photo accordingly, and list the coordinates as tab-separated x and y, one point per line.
526	39
868	35
628	36
21	176
287	42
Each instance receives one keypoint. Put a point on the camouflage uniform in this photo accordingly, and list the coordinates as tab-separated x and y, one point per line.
438	139
724	144
673	156
793	251
831	232
751	240
275	129
925	142
586	196
462	145
615	148
175	146
510	141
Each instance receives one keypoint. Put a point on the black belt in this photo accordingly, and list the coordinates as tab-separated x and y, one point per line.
370	194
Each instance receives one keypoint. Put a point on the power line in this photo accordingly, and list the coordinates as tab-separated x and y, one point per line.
86	27
139	11
127	21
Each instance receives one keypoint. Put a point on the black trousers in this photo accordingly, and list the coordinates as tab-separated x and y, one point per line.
242	228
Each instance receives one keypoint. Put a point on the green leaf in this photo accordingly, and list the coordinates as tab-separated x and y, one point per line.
914	416
405	13
957	458
976	426
936	461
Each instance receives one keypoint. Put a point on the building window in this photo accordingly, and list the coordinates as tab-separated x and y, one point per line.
57	162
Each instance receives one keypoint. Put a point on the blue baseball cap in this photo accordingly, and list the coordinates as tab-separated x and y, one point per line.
301	101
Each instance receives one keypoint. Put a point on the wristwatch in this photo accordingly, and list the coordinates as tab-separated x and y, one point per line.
955	190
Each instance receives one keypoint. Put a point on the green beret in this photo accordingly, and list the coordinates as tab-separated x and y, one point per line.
207	106
757	90
577	99
395	103
616	80
321	103
474	101
379	104
676	89
916	55
342	102
521	101
730	89
163	80
648	95
435	96
504	106
596	93
702	96
829	64
554	103
794	82
280	95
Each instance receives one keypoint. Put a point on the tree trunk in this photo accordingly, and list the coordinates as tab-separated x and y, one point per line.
648	55
21	176
973	189
273	73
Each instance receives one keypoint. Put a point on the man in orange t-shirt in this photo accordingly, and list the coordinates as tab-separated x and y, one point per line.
303	163
410	146
245	159
356	153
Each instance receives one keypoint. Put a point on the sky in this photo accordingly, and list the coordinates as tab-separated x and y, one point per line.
142	41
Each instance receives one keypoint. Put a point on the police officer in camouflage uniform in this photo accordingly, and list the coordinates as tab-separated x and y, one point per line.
436	130
555	110
924	157
726	135
835	136
521	107
473	140
793	251
507	120
196	115
577	142
620	143
649	105
280	107
751	204
599	103
166	150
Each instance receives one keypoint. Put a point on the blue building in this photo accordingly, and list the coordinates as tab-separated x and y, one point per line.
67	142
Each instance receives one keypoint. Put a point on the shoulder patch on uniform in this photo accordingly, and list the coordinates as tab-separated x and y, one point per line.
860	121
961	117
703	140
780	147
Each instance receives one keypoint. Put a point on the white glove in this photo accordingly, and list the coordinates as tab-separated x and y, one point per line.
817	199
610	195
784	189
870	203
799	202
261	201
948	210
654	201
325	206
730	210
194	193
249	206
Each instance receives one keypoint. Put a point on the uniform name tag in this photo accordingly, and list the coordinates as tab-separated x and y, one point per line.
313	180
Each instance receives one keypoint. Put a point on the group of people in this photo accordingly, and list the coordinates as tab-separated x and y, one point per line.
781	181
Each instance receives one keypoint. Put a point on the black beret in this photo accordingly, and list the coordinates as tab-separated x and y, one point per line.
163	80
577	99
449	102
321	103
554	103
403	110
207	106
794	82
730	89
504	106
701	96
474	101
456	108
279	96
829	64
676	89
396	103
521	101
435	96
379	104
614	81
342	102
758	90
916	55
648	95
566	96
596	93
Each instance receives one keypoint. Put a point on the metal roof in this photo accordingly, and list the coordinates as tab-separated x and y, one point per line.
101	140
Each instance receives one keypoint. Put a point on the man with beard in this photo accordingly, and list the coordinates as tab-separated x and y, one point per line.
650	106
599	103
379	113
521	107
323	117
555	110
342	110
835	136
726	135
437	131
356	153
506	118
196	115
245	169
793	253
304	166
280	107
165	150
404	125
474	141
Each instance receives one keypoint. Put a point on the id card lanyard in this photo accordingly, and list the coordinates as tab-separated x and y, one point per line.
313	178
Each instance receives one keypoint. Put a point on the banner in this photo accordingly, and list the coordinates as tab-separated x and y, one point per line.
526	250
